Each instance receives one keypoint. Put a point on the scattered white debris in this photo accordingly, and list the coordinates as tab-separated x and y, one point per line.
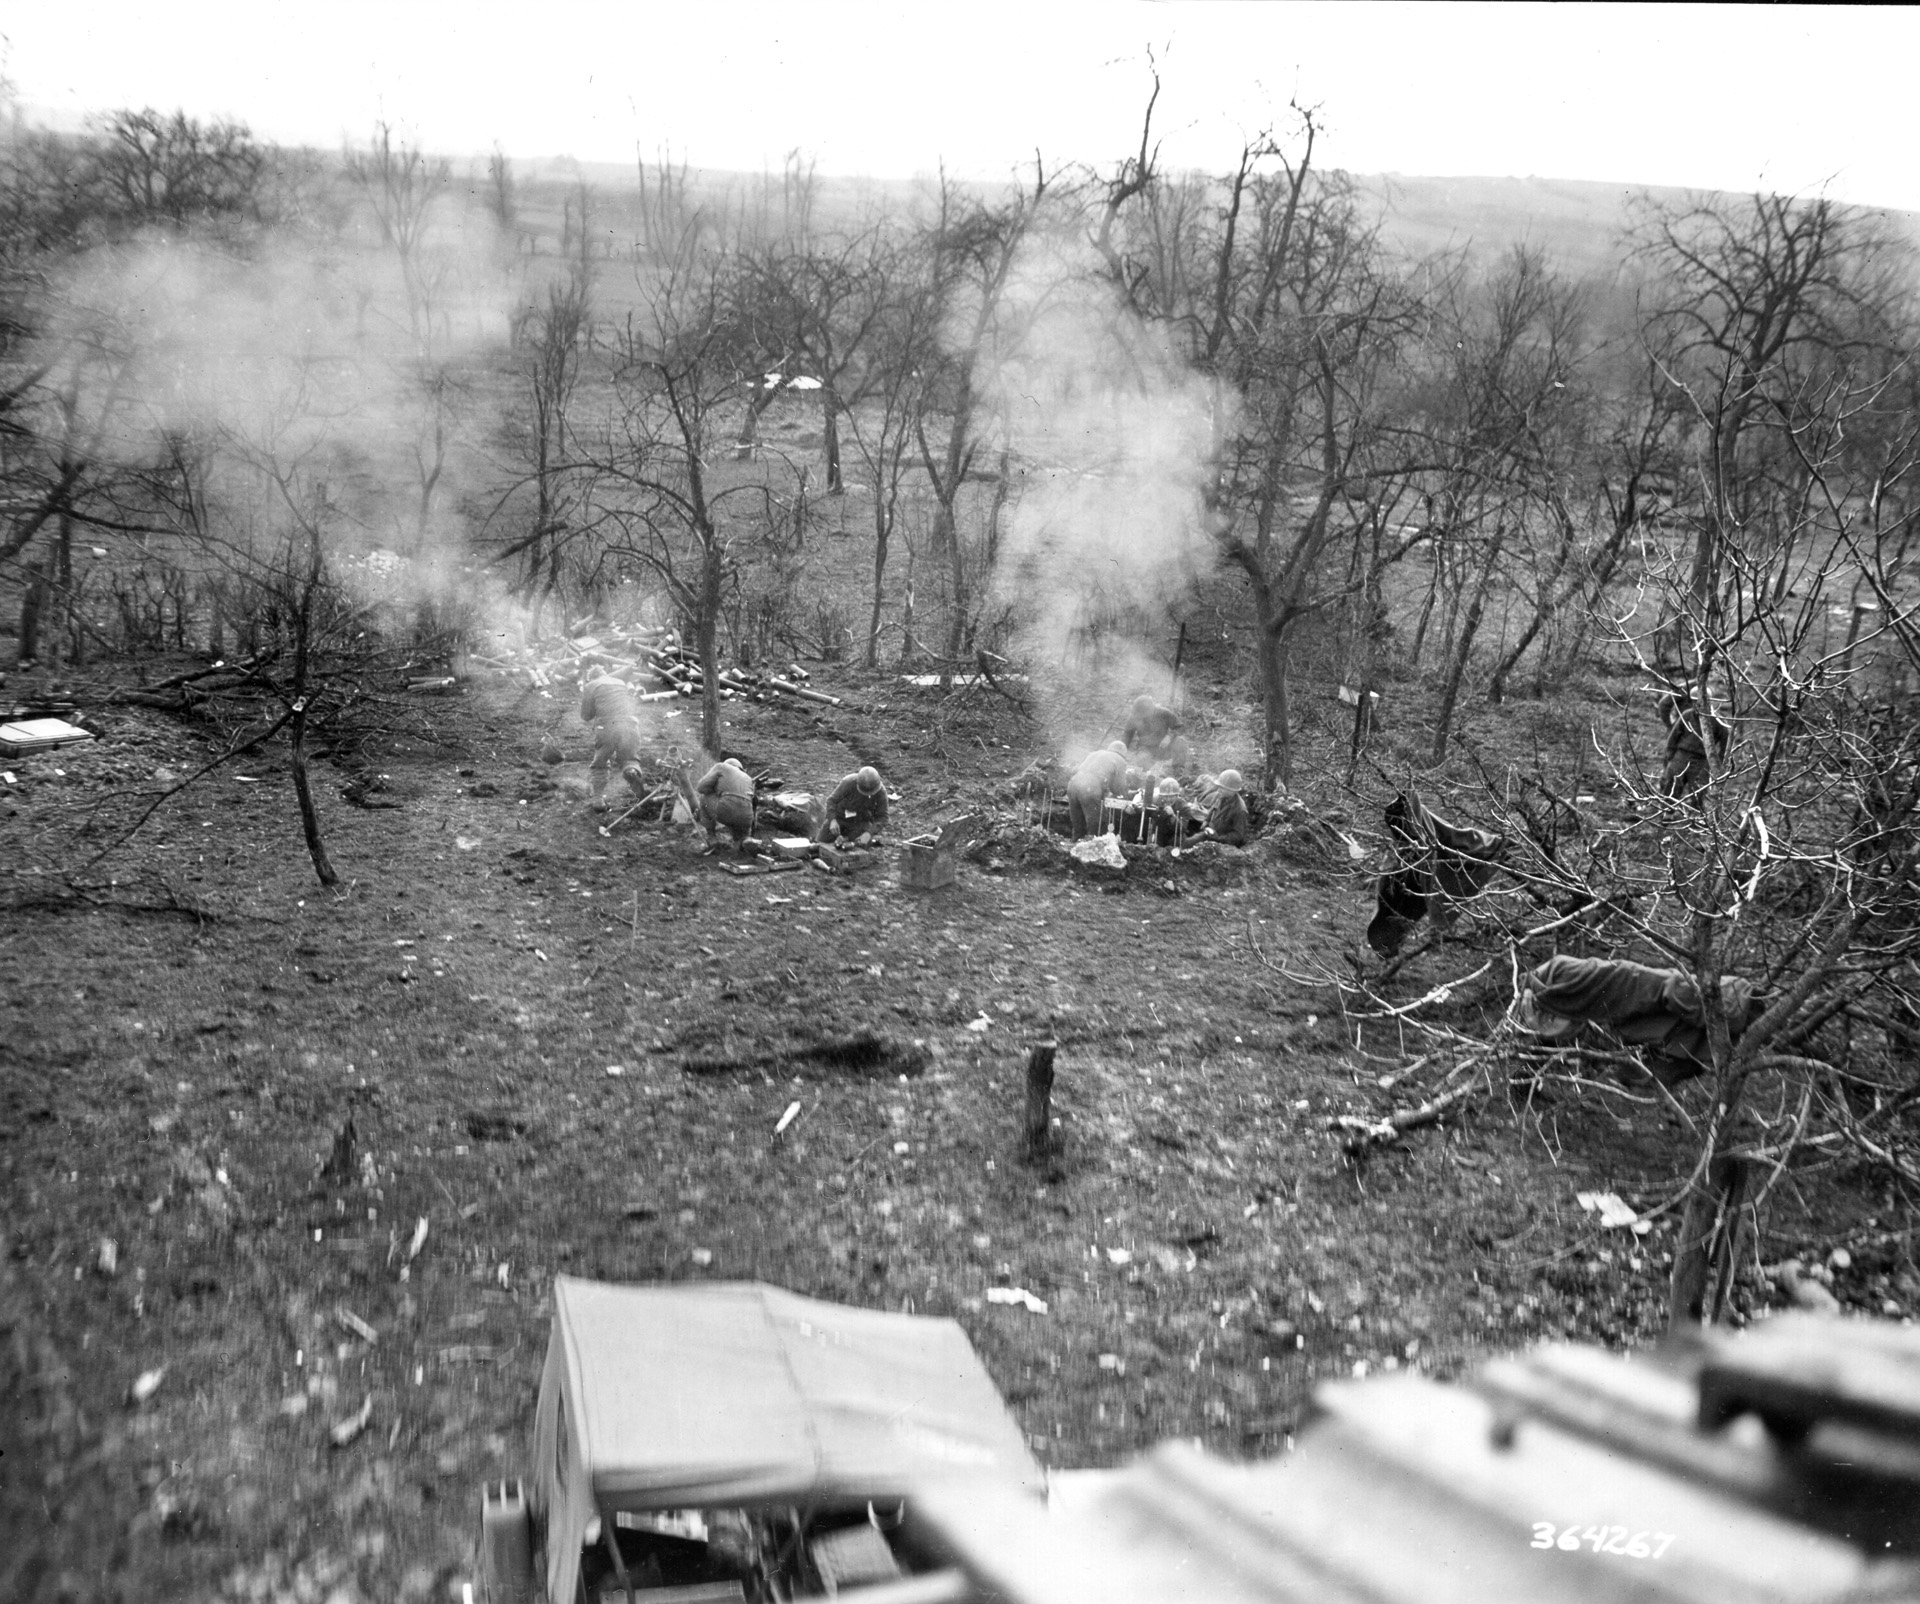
146	1384
1103	851
346	1430
984	1022
1017	1295
1612	1211
1119	1256
355	1324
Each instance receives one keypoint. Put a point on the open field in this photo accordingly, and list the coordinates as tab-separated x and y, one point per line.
177	1076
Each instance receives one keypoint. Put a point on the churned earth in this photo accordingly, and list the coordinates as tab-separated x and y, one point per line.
563	1051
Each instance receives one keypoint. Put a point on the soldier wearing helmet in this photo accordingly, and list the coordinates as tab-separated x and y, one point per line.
857	808
725	793
1227	820
1173	818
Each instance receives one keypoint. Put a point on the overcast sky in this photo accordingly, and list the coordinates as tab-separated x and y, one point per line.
1786	97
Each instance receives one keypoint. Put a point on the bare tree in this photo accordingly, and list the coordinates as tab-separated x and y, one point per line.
1502	436
973	249
678	366
1274	281
502	198
151	167
554	469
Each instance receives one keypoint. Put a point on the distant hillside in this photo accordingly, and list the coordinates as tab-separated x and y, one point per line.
1578	224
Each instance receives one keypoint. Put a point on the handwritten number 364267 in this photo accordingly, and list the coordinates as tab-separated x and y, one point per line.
1601	1539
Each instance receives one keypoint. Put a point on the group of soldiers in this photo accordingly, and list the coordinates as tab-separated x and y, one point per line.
856	810
1143	760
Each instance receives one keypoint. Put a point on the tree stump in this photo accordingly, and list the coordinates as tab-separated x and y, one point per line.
1039	1126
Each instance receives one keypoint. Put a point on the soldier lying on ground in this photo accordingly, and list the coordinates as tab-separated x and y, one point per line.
609	706
1150	729
1658	1010
726	802
1101	775
857	808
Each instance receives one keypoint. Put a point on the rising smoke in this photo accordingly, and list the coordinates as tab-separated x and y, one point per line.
307	362
1115	432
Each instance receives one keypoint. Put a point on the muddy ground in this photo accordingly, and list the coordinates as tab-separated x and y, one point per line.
563	1052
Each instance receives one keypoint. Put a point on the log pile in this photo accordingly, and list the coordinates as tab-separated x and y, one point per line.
654	661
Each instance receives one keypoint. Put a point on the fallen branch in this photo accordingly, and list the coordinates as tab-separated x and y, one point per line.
1365	1134
227	756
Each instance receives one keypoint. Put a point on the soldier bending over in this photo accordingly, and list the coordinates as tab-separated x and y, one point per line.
857	808
609	706
725	793
1101	774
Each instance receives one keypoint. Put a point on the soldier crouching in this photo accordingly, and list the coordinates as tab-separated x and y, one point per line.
725	794
857	808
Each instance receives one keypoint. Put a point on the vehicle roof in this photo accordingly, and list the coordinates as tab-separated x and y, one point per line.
736	1393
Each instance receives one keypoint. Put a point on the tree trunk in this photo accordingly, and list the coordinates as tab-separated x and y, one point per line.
309	819
33	608
1497	687
1269	631
882	529
947	535
63	584
706	629
1463	650
830	428
1426	611
1706	1258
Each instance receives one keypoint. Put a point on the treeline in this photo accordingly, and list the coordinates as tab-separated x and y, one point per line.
571	387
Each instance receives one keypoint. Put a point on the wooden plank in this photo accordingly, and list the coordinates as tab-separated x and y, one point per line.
1444	1439
1797	1372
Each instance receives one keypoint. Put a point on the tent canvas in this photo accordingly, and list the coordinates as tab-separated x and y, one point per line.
737	1394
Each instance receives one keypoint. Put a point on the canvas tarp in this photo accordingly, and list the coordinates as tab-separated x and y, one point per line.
736	1394
1441	864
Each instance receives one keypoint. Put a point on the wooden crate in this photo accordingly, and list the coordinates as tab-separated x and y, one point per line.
928	867
39	735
